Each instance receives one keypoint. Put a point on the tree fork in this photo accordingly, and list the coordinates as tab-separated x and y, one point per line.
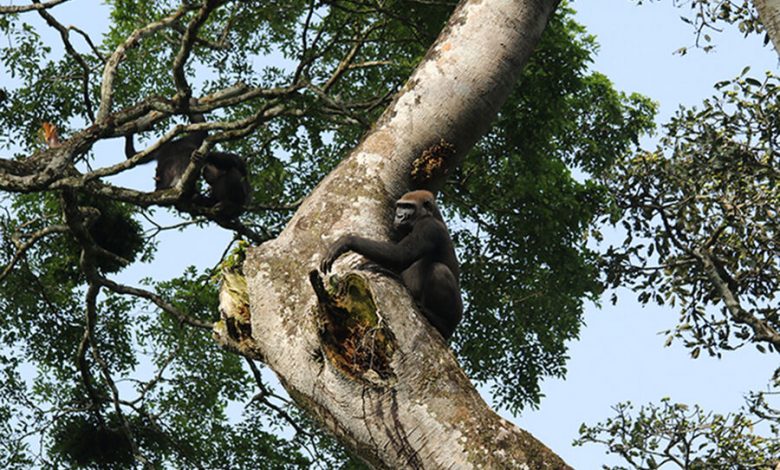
429	415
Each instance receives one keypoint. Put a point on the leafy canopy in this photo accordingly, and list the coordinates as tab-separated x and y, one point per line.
87	358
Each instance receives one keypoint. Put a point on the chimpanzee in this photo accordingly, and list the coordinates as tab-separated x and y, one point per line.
421	252
172	157
225	173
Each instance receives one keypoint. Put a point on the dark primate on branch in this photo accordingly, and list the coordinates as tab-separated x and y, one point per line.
227	176
423	255
225	173
172	157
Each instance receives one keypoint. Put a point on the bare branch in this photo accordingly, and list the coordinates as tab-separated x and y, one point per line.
81	355
5	10
304	46
158	376
91	318
157	300
187	41
265	393
350	57
242	229
369	64
88	39
110	70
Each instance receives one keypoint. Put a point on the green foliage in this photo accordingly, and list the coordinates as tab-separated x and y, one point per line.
84	443
522	206
526	269
701	224
706	17
673	434
114	230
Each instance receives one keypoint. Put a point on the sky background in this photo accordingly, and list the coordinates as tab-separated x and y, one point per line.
620	355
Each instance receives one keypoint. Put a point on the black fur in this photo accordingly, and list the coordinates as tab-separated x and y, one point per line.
225	173
423	255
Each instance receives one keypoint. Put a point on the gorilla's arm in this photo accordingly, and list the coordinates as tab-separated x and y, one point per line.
421	241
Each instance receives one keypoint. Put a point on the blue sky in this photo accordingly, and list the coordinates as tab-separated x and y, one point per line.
620	356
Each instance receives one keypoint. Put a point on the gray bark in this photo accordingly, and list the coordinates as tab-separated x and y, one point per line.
769	12
421	410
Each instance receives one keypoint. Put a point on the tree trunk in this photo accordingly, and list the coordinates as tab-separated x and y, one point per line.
769	12
362	360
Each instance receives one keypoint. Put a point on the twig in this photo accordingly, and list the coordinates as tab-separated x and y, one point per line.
187	41
76	56
110	70
34	6
91	318
26	246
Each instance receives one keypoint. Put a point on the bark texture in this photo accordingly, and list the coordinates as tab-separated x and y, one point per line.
417	409
769	12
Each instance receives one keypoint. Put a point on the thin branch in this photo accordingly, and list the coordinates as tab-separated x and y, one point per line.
275	207
304	46
36	5
91	44
167	432
91	318
350	57
265	392
369	64
158	228
148	386
29	244
187	41
762	331
157	300
81	356
110	70
242	230
338	107
76	56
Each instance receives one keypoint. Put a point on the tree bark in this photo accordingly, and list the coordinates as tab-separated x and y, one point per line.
362	360
769	12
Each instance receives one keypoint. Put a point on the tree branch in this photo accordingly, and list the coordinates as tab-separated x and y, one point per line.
187	41
36	5
34	237
110	70
76	56
762	331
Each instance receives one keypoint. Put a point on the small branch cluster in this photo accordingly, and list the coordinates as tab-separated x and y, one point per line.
237	109
701	224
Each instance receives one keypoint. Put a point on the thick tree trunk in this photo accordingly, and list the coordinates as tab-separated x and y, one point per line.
769	12
365	363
